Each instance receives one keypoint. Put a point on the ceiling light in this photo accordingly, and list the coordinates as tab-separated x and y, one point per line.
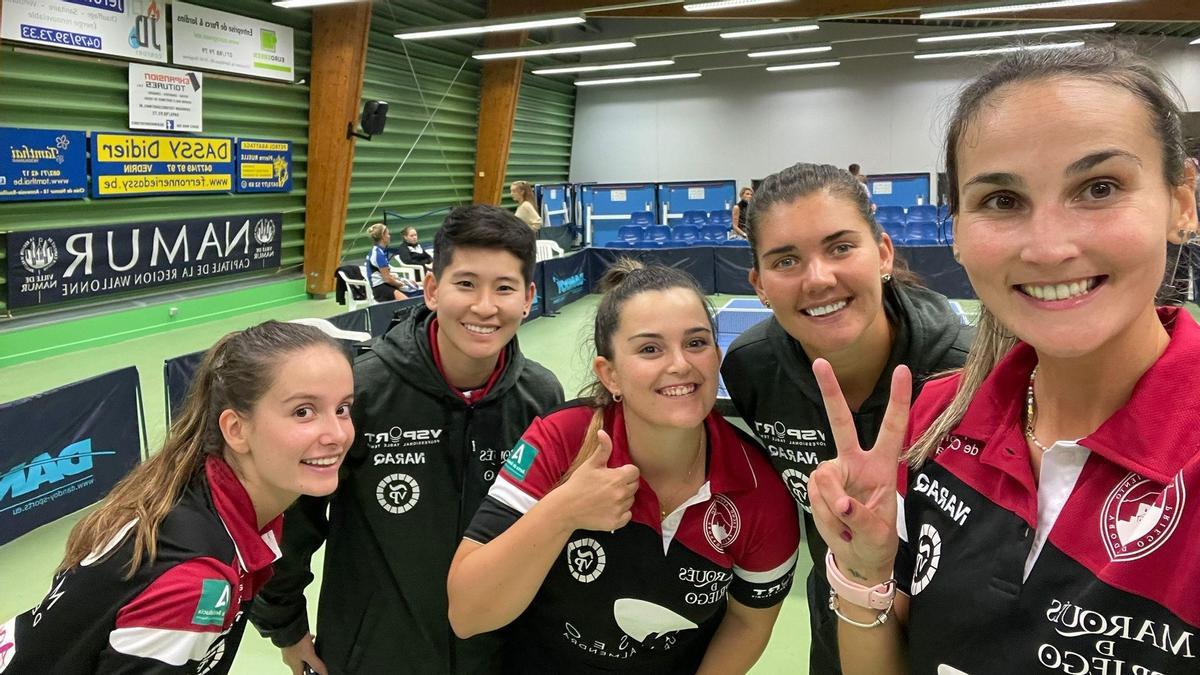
294	4
1018	31
996	9
804	66
998	50
591	67
810	49
479	27
642	78
575	48
770	29
725	4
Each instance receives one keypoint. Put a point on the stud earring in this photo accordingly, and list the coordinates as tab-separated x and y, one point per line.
766	303
886	277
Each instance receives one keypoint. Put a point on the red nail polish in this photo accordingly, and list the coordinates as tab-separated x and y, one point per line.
846	536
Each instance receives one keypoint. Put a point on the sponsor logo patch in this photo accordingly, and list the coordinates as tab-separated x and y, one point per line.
520	458
797	484
1140	515
214	603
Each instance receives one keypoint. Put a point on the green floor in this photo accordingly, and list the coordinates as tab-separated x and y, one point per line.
26	564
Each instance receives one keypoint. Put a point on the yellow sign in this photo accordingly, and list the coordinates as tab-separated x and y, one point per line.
131	148
177	182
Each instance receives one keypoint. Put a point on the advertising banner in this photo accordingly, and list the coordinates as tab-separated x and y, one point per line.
565	281
42	164
178	374
64	449
165	98
231	43
128	165
264	166
50	266
126	29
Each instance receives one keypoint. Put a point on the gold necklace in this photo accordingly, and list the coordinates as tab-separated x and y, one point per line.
686	479
1031	413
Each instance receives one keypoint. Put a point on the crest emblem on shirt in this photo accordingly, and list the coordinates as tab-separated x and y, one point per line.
797	484
722	522
585	560
1140	515
929	556
398	493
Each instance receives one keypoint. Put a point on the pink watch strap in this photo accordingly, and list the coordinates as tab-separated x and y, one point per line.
878	597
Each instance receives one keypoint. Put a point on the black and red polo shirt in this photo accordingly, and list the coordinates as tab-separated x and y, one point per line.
181	613
1094	568
648	597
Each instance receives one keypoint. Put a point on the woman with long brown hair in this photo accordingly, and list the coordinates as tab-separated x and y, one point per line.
522	193
157	577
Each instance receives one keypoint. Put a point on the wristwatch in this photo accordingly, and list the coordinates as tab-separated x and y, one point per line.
878	597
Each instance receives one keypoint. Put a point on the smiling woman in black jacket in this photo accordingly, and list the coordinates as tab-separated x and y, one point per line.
829	274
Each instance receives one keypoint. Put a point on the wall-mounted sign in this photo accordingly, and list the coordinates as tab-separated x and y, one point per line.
127	165
231	43
42	164
49	266
165	98
264	166
121	28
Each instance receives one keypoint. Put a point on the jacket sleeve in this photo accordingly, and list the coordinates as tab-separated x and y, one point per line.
172	625
280	611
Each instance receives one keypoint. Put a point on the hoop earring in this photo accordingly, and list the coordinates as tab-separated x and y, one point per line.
617	398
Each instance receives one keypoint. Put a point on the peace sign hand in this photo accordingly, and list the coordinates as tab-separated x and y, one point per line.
853	497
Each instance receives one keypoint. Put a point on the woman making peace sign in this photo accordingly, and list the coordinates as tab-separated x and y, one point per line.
1043	520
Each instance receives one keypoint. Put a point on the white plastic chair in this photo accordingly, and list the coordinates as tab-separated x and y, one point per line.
364	283
414	273
547	249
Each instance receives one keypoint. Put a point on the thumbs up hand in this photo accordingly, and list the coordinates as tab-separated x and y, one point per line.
597	497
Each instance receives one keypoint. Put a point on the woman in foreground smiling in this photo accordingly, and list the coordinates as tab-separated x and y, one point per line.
621	522
157	578
1043	517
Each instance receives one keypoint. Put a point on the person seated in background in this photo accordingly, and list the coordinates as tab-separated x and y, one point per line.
741	210
384	285
412	253
522	193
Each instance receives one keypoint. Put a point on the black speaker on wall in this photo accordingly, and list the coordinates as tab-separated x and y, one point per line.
372	121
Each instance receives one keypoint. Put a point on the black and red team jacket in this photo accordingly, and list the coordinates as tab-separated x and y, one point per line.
181	613
1109	586
648	597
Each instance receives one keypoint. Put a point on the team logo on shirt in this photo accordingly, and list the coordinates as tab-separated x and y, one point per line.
585	560
722	522
797	483
212	658
929	554
1140	515
398	493
653	626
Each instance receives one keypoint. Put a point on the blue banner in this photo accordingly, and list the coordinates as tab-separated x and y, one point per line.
178	374
264	166
64	449
564	281
49	266
42	164
134	165
695	260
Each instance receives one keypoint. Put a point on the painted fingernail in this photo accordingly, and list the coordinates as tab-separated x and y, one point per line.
846	536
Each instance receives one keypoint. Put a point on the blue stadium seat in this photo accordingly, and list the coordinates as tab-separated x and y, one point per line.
943	212
685	235
736	241
650	244
621	243
896	230
947	230
720	218
713	234
695	218
658	233
921	233
922	212
641	218
631	233
889	214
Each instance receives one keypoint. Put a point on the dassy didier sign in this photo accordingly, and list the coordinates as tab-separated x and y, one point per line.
50	266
